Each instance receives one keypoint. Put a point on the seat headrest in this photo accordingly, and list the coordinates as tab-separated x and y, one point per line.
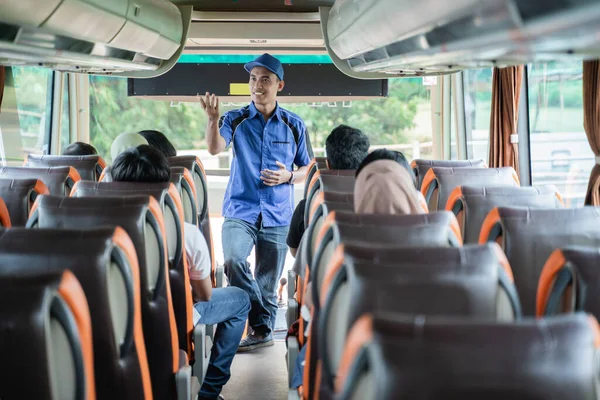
188	162
58	180
420	167
89	167
51	329
440	182
471	204
525	360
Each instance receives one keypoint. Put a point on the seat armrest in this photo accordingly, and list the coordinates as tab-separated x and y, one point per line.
293	394
187	385
202	349
293	313
219	276
291	284
292	355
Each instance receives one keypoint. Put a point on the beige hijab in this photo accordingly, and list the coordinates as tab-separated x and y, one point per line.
386	187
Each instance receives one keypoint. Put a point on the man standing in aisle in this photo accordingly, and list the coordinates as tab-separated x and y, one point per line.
266	141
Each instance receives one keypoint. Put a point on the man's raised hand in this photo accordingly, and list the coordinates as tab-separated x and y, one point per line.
210	104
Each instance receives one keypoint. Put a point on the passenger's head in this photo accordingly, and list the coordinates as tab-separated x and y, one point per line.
141	164
346	147
125	141
79	149
160	142
266	78
386	187
385	154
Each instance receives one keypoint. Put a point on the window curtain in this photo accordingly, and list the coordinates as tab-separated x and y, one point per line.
506	90
591	124
2	79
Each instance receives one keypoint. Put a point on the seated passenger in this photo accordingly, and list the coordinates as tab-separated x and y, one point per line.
160	142
79	149
228	307
385	185
346	147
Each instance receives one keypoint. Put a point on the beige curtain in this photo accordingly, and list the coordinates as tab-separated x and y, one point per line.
591	124
506	90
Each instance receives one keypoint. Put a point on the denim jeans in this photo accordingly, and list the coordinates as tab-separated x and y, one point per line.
271	249
228	307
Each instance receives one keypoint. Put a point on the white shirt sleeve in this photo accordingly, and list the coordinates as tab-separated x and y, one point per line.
197	252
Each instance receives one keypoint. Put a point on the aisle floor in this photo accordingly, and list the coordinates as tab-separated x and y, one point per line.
259	375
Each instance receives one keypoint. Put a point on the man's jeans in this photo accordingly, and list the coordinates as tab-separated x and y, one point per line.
271	249
228	307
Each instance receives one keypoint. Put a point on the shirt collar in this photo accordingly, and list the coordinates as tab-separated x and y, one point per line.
254	111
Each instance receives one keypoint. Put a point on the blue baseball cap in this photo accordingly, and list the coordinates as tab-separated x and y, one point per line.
266	61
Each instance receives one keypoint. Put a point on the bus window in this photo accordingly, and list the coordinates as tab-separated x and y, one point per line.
478	107
560	152
25	117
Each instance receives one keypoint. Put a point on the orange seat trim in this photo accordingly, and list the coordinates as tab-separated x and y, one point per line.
427	180
489	222
317	201
4	215
72	293
360	334
123	241
552	266
504	262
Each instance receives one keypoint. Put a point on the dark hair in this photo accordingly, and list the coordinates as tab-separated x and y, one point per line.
385	154
141	164
160	142
79	149
346	147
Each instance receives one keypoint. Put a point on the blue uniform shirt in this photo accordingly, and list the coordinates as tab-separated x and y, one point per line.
257	144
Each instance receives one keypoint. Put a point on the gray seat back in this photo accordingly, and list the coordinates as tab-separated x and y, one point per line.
183	181
104	262
19	195
405	357
529	235
58	180
52	332
471	204
420	167
328	180
431	230
473	281
440	182
89	167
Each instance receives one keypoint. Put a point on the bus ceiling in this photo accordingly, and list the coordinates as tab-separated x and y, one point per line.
368	39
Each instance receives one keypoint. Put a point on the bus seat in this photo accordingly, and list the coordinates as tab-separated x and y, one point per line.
529	235
89	167
570	282
420	167
440	182
316	164
194	165
471	204
474	281
50	333
141	218
322	208
184	182
168	197
19	196
390	356
435	229
328	180
58	180
105	263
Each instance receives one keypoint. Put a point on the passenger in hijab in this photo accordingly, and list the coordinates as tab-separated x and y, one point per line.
386	186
